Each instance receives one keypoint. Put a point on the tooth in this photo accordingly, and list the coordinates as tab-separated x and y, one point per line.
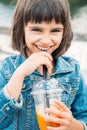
43	49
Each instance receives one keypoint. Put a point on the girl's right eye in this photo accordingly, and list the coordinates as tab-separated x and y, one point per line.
36	30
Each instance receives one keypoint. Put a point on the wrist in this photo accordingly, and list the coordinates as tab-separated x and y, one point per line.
20	72
7	93
14	90
79	125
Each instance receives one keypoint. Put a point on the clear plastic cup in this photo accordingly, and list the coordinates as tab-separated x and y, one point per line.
44	92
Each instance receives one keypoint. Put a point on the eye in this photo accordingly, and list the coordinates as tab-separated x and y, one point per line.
36	30
56	30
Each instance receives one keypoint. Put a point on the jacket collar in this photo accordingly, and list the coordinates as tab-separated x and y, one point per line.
63	65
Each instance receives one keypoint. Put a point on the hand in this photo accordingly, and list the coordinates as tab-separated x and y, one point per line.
34	61
63	117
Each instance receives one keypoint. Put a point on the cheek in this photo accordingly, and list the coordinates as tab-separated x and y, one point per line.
59	38
30	39
57	41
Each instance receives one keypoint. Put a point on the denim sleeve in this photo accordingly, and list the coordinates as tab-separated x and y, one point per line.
79	106
8	107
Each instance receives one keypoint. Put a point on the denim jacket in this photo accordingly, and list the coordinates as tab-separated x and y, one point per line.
20	114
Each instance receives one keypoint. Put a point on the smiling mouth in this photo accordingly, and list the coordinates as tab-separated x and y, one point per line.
43	48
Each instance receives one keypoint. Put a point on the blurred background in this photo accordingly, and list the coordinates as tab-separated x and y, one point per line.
78	9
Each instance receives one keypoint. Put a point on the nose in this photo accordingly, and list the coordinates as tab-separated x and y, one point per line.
46	39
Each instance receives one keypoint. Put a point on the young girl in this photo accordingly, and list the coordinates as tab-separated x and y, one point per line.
41	33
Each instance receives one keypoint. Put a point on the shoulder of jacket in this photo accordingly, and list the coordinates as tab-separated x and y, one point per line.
72	62
11	61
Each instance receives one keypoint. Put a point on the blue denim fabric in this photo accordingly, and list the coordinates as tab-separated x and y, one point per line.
20	115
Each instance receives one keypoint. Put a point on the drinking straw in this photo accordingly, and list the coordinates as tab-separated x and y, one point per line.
44	72
46	100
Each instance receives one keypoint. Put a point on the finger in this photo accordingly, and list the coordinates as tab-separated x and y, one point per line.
57	120
47	55
48	63
62	105
52	128
55	128
55	112
58	113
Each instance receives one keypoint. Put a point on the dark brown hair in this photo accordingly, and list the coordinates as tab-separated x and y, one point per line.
38	11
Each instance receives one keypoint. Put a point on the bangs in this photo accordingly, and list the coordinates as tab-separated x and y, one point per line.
44	11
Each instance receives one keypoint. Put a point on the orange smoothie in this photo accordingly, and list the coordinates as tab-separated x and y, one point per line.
42	123
40	117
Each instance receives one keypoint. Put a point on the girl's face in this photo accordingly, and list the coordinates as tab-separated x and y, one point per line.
43	36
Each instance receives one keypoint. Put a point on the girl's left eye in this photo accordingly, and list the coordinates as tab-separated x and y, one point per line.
56	30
